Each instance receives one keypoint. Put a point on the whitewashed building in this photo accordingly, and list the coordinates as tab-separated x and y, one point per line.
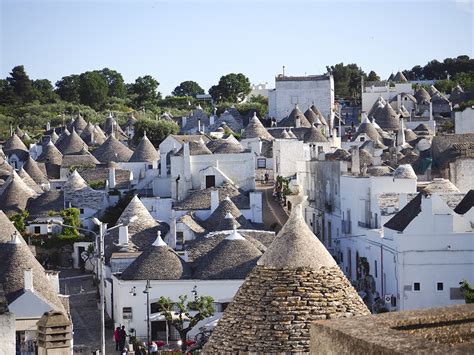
301	90
464	121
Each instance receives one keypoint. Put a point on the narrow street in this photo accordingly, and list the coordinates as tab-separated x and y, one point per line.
84	312
274	216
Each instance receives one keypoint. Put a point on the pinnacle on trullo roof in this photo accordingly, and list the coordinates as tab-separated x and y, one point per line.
255	129
269	314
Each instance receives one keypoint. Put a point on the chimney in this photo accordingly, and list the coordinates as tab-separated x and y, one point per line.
399	101
214	200
186	161
298	122
123	235
28	275
321	154
163	166
211	120
112	177
48	126
199	125
184	120
355	160
172	238
431	111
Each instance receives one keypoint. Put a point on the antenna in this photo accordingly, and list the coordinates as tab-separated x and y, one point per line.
283	70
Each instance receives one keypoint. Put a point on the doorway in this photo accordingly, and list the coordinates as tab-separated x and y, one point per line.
210	181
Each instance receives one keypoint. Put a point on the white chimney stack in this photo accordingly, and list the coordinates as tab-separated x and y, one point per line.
28	275
355	160
112	177
214	200
123	235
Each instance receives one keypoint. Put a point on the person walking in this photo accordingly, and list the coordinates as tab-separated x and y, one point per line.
267	177
117	338
122	338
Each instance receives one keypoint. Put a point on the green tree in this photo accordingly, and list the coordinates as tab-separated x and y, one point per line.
156	131
68	88
185	322
188	88
347	80
44	91
70	217
7	96
21	85
467	290
93	90
115	83
373	76
231	88
18	220
144	90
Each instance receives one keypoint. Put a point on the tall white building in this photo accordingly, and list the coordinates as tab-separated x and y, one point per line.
302	90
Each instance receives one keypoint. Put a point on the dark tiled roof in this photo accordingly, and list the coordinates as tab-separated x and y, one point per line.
407	214
15	195
422	96
387	118
314	135
76	160
195	148
295	115
50	155
29	181
101	173
466	203
400	77
448	148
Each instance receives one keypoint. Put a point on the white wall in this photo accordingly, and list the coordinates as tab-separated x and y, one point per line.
464	121
159	208
461	173
282	99
220	290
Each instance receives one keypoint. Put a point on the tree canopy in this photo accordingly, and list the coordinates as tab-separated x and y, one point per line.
202	308
436	70
347	80
143	90
188	88
231	88
373	76
93	89
156	130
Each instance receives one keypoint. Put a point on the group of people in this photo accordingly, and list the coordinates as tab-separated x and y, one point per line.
120	337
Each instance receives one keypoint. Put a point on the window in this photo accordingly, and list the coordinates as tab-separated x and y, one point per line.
440	286
394	301
362	139
416	286
127	312
261	163
224	306
375	268
180	240
37	230
150	166
210	181
81	211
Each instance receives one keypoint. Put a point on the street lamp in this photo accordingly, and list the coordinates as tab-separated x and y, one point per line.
147	291
103	230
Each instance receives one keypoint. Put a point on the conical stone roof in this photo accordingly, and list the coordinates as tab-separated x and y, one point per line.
400	78
291	134
225	206
54	137
457	95
29	181
285	135
255	129
314	135
112	150
145	152
99	135
366	127
388	118
295	282
410	135
14	142
432	90
312	117
233	258
228	147
71	144
292	118
33	170
79	124
15	195
422	96
319	114
50	155
158	262
228	223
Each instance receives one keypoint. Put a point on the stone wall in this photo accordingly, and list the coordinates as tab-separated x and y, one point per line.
446	330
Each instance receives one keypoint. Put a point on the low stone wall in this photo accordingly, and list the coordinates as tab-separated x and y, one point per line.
435	330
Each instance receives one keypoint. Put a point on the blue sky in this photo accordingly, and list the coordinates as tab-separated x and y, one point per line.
202	40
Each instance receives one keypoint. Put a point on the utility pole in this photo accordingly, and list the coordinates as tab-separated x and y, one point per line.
147	291
102	229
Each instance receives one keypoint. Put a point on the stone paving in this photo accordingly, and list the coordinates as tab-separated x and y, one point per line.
85	312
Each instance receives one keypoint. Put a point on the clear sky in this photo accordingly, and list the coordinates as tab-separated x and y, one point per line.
202	40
